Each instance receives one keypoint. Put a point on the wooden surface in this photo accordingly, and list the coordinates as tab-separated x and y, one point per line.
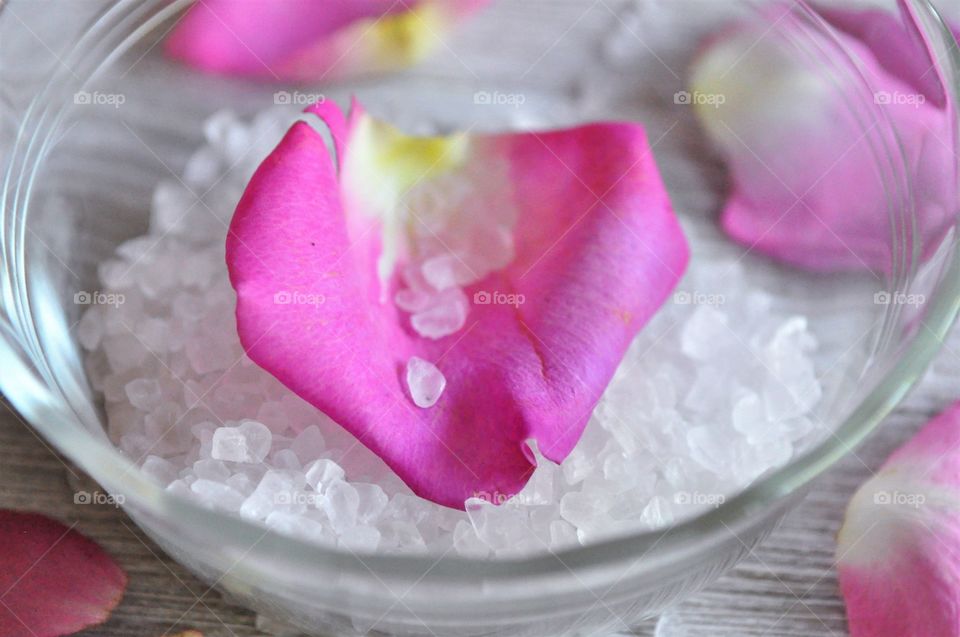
786	588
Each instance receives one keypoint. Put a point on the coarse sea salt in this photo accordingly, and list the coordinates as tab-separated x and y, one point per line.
718	389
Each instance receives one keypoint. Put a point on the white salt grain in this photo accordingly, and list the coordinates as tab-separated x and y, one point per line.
425	382
248	442
320	474
445	317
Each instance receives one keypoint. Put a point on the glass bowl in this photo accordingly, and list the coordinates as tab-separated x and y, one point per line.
79	167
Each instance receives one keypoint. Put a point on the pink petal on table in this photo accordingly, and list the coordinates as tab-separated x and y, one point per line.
899	548
805	188
308	40
598	250
53	580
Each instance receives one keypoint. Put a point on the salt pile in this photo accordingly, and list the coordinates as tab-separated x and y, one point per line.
717	390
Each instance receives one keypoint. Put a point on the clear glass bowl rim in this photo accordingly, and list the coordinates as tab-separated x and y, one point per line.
46	413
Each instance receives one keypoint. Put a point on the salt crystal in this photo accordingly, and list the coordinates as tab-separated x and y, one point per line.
210	469
562	534
277	491
241	483
144	393
248	442
505	529
124	353
371	501
162	471
218	495
309	444
657	513
466	542
341	505
446	317
401	535
298	526
321	473
749	417
447	271
360	539
90	329
412	300
179	488
286	459
425	382
705	333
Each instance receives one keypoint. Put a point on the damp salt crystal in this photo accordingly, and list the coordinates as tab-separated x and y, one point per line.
425	382
446	316
308	445
322	473
248	442
341	504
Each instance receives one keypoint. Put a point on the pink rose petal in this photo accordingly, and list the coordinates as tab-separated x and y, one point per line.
805	188
597	251
308	40
899	548
53	580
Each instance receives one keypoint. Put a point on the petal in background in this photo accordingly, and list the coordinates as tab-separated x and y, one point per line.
308	40
898	552
54	580
805	188
520	266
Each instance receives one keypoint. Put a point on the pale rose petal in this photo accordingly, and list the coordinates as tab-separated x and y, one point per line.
805	187
899	549
54	580
311	40
594	249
